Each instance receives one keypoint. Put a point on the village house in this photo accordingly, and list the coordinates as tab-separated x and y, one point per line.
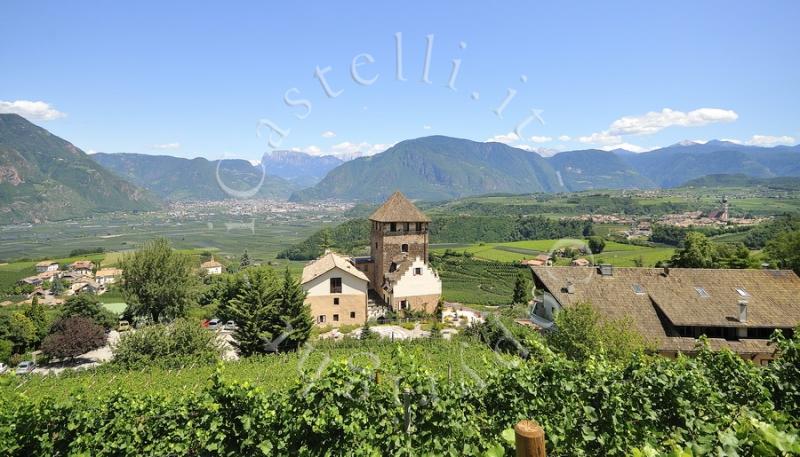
82	267
46	265
673	307
580	262
212	267
336	291
107	276
538	261
86	286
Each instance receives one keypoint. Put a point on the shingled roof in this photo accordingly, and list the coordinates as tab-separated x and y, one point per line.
683	297
328	262
398	209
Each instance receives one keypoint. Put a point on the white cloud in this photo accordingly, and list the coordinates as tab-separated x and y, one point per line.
254	162
507	138
33	111
656	121
328	134
426	127
601	138
767	140
541	139
564	138
627	147
167	146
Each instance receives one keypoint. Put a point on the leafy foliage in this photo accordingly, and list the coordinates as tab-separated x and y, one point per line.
72	337
784	250
179	343
158	282
88	306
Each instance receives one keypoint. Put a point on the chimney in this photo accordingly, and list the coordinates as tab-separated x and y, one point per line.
570	287
606	270
743	311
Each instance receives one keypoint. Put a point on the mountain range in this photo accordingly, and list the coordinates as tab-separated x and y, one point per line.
43	177
179	179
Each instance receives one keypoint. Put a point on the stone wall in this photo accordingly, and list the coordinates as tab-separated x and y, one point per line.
323	305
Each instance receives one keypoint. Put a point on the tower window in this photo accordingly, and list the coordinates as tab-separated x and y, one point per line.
419	226
417	271
336	285
336	301
393	227
336	318
405	227
352	314
404	247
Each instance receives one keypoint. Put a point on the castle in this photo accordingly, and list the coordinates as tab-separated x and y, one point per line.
396	274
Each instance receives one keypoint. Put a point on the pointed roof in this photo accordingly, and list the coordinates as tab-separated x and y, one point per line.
398	209
328	262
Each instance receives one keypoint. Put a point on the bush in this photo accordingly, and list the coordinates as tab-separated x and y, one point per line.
72	337
173	345
596	244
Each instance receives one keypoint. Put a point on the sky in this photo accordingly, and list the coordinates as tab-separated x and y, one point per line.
239	79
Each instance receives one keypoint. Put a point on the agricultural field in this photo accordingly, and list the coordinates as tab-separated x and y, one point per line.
271	372
619	254
476	282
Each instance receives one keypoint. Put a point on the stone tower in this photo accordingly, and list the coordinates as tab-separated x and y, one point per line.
399	230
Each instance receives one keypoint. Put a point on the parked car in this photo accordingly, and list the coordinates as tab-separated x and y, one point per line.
230	326
123	326
3	367
215	324
25	367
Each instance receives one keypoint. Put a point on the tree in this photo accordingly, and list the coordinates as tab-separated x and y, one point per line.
38	317
367	333
596	244
20	331
292	318
436	331
56	287
251	309
784	250
245	261
697	252
521	290
88	306
733	255
179	343
72	337
6	349
581	333
158	282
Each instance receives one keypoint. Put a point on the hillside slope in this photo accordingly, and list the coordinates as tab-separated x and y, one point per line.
43	177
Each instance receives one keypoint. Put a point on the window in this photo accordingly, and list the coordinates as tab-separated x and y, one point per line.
336	318
638	289
336	285
393	227
742	292
417	271
404	247
702	292
404	304
419	226
336	301
352	314
376	245
405	227
321	319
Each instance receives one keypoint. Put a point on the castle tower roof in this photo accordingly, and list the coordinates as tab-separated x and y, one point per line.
398	209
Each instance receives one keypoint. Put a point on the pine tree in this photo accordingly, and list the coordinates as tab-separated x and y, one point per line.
367	333
245	261
520	290
251	309
292	322
38	316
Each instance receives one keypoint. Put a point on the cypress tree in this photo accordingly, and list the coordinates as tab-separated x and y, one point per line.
290	326
251	309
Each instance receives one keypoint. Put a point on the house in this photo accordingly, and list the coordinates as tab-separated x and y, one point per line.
31	280
673	307
539	260
212	267
82	267
85	286
336	290
107	276
46	265
581	262
48	276
73	276
411	284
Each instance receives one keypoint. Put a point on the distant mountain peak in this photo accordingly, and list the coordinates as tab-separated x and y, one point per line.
686	143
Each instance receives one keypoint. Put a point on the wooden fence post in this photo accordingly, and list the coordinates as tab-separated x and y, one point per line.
529	438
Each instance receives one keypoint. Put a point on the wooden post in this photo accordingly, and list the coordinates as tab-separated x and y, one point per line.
529	439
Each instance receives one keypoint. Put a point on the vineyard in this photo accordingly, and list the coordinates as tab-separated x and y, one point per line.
473	281
714	404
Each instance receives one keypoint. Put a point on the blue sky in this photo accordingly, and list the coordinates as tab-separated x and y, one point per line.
195	79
